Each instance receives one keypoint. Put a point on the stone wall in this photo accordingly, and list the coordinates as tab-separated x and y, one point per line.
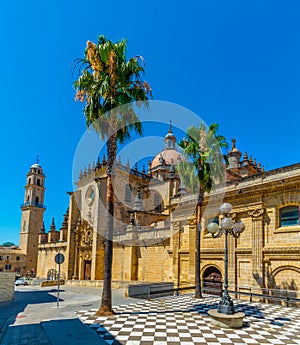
7	286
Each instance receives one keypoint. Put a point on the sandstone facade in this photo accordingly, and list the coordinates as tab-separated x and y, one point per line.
154	227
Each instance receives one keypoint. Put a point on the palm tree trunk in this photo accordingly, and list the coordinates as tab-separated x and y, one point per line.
198	291
106	301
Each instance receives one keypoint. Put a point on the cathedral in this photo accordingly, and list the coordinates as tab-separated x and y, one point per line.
155	225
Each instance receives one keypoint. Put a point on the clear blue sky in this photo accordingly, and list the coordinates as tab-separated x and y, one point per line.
232	62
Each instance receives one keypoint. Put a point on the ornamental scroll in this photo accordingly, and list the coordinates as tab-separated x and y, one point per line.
257	213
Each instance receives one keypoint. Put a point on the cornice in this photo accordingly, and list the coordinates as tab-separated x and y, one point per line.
243	250
212	251
281	250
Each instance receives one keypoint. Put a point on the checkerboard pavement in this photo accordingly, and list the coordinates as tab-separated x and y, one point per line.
183	320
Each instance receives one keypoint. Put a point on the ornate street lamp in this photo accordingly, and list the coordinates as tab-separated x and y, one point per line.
228	226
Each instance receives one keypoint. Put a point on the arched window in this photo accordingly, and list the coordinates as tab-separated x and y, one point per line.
38	182
37	200
289	216
29	181
127	193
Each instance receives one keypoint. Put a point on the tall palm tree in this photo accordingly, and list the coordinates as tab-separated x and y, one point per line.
108	84
203	147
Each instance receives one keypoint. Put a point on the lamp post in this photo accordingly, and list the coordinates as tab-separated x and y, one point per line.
228	226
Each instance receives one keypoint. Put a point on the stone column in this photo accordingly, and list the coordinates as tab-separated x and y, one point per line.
192	248
75	273
176	271
257	245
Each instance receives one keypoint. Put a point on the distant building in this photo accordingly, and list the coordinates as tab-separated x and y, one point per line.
12	260
154	233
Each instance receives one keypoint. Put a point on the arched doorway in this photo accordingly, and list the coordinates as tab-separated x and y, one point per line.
212	281
87	269
52	274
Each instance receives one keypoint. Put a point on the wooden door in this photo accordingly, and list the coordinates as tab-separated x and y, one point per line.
87	270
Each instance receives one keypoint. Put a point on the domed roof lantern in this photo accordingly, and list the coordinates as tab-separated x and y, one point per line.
234	156
168	153
36	168
170	138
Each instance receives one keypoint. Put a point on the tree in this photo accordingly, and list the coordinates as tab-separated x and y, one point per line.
108	84
8	244
204	168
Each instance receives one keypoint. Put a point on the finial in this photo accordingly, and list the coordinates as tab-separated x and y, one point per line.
170	128
103	160
98	165
138	204
254	163
161	159
172	169
128	163
37	159
119	160
52	227
65	221
143	169
43	230
251	160
233	141
245	156
136	167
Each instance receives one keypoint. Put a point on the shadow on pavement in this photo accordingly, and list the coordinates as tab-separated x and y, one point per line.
10	310
71	332
54	332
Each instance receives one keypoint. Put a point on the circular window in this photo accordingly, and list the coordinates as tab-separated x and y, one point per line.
90	195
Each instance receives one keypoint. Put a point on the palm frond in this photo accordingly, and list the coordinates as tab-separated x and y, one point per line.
203	148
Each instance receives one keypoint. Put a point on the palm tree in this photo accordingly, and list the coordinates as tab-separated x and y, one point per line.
108	84
204	168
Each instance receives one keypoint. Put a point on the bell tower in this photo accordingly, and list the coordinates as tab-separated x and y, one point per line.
32	215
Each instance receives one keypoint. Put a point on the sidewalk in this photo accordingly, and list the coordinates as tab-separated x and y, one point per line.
177	320
34	317
184	320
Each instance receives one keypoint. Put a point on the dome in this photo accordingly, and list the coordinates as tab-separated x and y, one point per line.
171	136
169	156
36	165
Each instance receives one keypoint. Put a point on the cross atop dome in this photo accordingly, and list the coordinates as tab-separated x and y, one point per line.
233	141
170	128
